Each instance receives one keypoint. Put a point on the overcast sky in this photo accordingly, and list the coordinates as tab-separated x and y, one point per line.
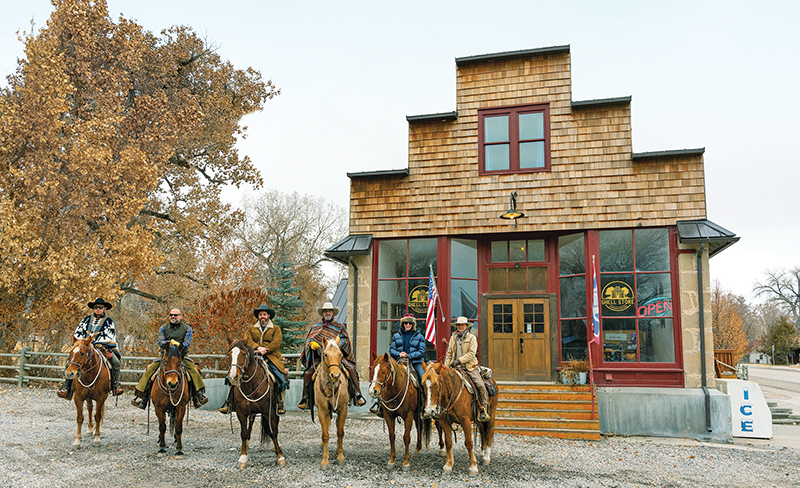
721	75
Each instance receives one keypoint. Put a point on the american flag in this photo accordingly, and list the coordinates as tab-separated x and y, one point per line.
430	320
595	306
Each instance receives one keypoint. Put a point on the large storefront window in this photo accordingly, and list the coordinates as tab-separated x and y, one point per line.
636	296
464	278
403	270
572	281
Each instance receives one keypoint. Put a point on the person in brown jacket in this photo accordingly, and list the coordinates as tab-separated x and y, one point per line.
265	338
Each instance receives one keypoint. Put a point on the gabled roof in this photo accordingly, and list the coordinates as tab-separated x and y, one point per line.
357	245
697	231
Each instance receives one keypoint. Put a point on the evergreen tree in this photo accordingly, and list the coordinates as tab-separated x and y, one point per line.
781	335
287	305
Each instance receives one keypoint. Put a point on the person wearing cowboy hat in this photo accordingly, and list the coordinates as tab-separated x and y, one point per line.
174	332
265	338
105	340
462	353
328	329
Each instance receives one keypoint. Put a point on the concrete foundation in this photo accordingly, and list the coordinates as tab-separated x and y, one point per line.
664	412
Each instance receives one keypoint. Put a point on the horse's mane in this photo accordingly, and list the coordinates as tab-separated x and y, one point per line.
251	355
173	351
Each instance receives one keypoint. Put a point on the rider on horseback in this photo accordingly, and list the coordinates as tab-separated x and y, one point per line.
407	345
105	340
461	352
178	332
330	330
265	338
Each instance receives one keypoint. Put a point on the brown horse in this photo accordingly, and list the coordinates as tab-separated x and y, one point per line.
331	396
448	401
253	393
170	396
391	384
91	382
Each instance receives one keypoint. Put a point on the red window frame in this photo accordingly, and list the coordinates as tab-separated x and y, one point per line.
513	114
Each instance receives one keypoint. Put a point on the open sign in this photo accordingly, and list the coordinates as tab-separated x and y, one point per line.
656	307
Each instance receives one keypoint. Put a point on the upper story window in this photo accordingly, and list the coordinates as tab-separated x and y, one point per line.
514	139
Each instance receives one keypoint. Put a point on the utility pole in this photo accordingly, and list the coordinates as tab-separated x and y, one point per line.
773	355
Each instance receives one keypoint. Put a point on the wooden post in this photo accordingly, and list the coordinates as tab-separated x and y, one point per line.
20	382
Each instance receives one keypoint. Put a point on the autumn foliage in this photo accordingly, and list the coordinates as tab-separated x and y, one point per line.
727	322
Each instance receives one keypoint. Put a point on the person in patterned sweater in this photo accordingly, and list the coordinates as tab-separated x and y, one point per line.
105	340
328	329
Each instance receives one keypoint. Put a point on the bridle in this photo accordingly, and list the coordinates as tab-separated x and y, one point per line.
337	386
440	384
89	357
179	385
245	379
390	377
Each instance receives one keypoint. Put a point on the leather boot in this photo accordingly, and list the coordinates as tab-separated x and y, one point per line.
200	398
303	402
226	407
483	416
281	403
138	399
66	390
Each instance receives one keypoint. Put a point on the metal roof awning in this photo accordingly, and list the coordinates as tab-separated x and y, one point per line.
357	245
340	300
697	231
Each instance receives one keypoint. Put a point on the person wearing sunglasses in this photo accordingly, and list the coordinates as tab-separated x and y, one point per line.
105	341
174	332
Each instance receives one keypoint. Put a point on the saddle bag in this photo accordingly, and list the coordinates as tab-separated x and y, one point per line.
486	374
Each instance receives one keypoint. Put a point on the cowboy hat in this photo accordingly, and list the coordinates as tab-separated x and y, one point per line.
99	301
462	320
328	306
264	308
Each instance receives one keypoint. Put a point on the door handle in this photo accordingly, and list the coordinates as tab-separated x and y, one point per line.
521	342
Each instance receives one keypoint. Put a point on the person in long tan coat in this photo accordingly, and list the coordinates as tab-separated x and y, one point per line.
462	352
265	338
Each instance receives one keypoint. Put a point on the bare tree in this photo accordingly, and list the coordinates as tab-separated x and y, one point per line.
782	288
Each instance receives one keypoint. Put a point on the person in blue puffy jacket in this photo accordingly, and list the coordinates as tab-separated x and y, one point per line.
409	344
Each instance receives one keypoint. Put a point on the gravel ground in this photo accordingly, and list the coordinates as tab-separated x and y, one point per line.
37	430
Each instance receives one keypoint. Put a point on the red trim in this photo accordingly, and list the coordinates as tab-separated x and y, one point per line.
513	113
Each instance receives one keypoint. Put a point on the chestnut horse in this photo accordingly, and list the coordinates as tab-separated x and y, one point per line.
253	393
391	384
170	396
91	381
448	401
331	396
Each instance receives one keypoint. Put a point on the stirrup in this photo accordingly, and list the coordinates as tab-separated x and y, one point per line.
63	394
281	408
483	415
360	401
199	401
224	409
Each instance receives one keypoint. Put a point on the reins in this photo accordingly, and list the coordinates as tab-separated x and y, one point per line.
265	380
331	386
97	365
404	392
165	388
441	391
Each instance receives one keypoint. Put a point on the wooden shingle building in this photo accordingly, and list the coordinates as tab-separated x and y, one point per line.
513	200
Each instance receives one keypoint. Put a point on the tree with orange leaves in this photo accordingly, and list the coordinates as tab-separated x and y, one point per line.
727	322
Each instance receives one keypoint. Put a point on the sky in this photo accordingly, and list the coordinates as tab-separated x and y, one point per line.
720	75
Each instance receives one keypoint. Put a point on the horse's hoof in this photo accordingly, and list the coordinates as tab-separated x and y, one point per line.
442	453
340	462
323	467
162	452
281	462
390	464
406	467
179	455
473	471
96	443
241	465
76	444
446	470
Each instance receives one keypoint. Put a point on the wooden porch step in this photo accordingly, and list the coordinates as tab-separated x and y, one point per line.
544	395
546	404
558	433
545	413
548	423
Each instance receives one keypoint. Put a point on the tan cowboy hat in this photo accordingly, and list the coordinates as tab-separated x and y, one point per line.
462	320
99	301
328	306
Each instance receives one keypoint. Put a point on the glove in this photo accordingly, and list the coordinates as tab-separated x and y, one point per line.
314	345
173	342
456	363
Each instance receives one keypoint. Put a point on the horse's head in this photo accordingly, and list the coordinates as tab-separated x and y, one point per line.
332	358
432	388
242	356
382	373
171	363
82	353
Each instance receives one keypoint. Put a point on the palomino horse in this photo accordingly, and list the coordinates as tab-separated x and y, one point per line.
91	381
170	396
391	384
448	401
331	396
253	393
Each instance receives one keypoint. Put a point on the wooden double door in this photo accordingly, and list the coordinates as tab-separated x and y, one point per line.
519	339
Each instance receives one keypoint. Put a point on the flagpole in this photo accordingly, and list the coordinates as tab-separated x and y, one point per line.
589	344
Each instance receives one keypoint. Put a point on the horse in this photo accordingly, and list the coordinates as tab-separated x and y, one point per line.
331	396
391	384
170	396
448	401
253	393
91	382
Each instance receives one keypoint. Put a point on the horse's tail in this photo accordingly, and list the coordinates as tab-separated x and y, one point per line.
426	431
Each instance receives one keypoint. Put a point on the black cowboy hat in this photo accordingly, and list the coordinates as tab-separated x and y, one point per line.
100	301
264	308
